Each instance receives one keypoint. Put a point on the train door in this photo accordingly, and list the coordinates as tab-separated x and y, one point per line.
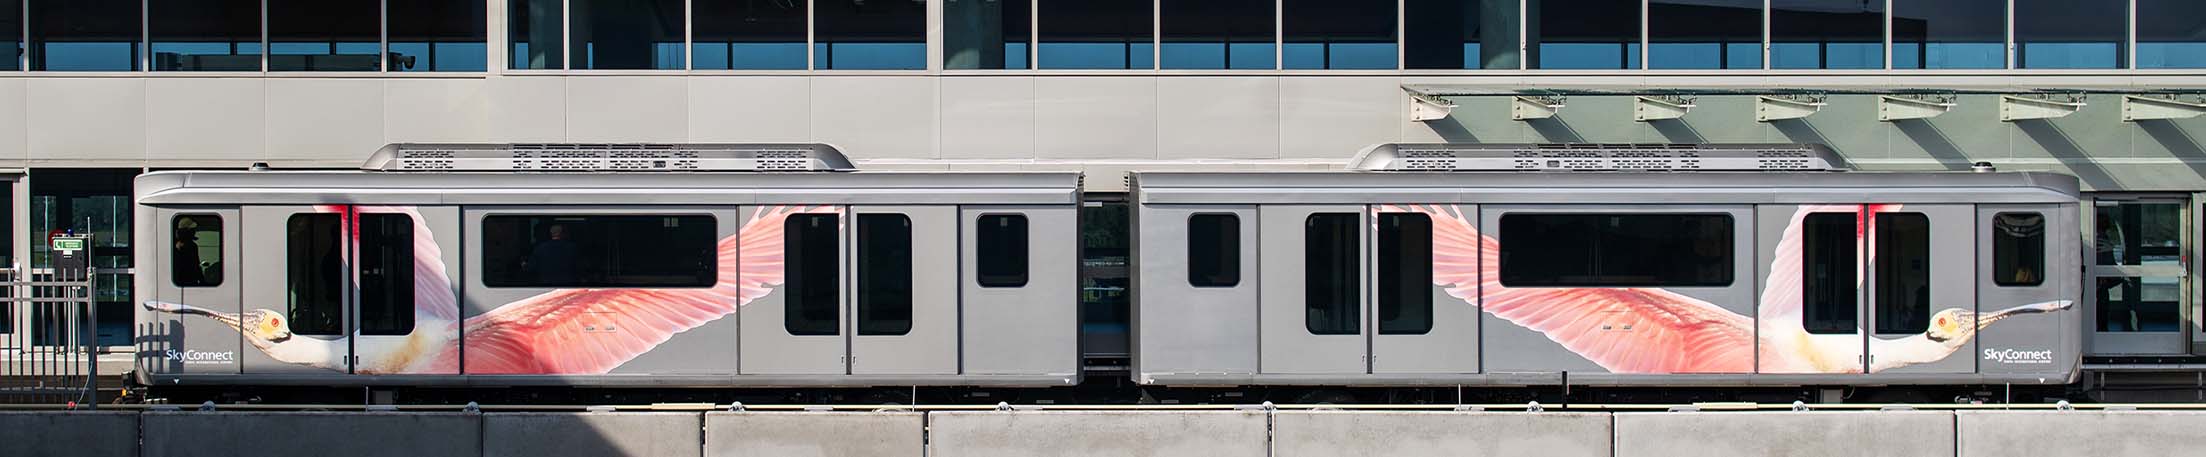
2019	249
1417	326
1811	288
904	299
297	288
2136	275
1020	289
1921	275
1312	302
1197	312
196	267
404	279
797	328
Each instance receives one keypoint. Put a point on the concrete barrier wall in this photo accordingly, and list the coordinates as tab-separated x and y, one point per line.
75	433
309	434
2081	433
1096	433
1416	434
815	434
593	434
1802	434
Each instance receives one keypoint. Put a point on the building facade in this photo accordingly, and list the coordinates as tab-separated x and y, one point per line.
2108	90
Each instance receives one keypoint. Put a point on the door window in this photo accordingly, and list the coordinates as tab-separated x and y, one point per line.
1002	250
1828	272
386	274
1214	250
2142	234
314	274
2018	249
809	272
1329	283
195	250
884	274
1405	274
1903	273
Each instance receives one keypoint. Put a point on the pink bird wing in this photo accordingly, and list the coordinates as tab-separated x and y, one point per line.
1625	330
1782	297
586	331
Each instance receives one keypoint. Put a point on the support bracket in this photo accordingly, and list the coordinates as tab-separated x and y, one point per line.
1659	107
2146	107
1534	107
2038	106
1792	106
1427	108
1900	107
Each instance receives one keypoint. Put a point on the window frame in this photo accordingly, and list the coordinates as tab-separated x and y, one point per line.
1730	244
1809	321
1414	289
291	281
1025	251
482	249
404	313
1350	322
1230	264
861	302
221	238
1886	268
793	304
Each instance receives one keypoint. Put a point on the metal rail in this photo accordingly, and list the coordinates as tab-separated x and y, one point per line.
1489	407
47	333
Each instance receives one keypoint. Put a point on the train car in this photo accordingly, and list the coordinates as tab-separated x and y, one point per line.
1605	265
608	265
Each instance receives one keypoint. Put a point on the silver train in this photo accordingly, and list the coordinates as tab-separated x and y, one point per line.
758	265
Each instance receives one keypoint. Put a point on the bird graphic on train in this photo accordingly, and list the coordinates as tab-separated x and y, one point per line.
1653	330
565	331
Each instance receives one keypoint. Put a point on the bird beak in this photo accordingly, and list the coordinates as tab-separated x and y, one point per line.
2033	308
230	319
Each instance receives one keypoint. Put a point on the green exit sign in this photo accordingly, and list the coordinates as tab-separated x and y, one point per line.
68	244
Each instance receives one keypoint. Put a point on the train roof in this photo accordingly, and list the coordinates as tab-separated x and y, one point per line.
605	188
1356	187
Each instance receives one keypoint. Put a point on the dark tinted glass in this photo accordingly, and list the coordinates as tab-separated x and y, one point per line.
1582	34
1459	34
1218	34
2072	33
1699	34
2139	304
11	42
1339	34
1105	277
1903	273
1329	275
2170	34
884	274
437	35
1405	274
325	35
1839	34
1949	33
1828	272
626	34
1616	250
533	30
1096	34
84	35
314	273
2018	249
870	35
1214	250
386	274
600	251
748	34
1002	250
811	250
195	254
986	34
205	35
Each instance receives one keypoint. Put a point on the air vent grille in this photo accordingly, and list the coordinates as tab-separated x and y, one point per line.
549	157
1598	157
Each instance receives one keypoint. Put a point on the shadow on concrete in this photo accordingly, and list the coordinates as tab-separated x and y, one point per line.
1935	142
1555	130
2178	143
2057	143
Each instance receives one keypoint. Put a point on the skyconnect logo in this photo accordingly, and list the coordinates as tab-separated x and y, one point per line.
2019	356
191	357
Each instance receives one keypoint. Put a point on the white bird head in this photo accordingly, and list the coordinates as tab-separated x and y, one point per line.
266	330
1954	326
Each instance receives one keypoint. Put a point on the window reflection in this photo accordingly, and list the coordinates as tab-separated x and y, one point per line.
626	34
986	34
93	201
325	35
2139	233
1582	34
2070	33
1835	34
2139	304
1704	34
533	29
1459	34
11	45
1095	34
84	35
2170	34
870	34
437	35
1218	34
205	35
1339	34
1949	34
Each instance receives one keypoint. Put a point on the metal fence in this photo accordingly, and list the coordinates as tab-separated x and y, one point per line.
48	352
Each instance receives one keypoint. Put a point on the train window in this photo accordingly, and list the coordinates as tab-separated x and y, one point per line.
1903	273
386	274
1214	250
1827	273
811	250
2018	249
1002	250
314	274
1405	274
1616	250
884	274
600	251
195	251
1329	275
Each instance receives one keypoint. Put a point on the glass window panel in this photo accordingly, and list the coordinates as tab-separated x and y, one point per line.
870	35
386	274
1214	250
1833	34
1405	274
811	274
1704	34
1330	277
884	274
626	34
2071	33
1616	250
1218	34
1002	250
986	34
92	201
748	34
1105	277
1095	34
1339	34
1828	251
11	54
1949	34
2139	304
84	35
325	35
205	35
533	30
437	35
195	251
2018	249
2170	34
2139	233
315	275
1460	34
1583	34
599	251
1903	273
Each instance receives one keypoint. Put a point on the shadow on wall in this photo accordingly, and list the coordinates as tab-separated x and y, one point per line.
1801	131
2056	142
1935	142
1452	131
1677	131
1555	130
2178	143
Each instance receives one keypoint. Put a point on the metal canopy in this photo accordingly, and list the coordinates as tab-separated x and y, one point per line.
1458	90
554	157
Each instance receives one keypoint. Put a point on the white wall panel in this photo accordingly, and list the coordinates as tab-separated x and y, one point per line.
13	111
528	108
876	117
988	117
1218	117
1332	118
436	110
205	119
627	109
324	120
740	109
86	118
1096	117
